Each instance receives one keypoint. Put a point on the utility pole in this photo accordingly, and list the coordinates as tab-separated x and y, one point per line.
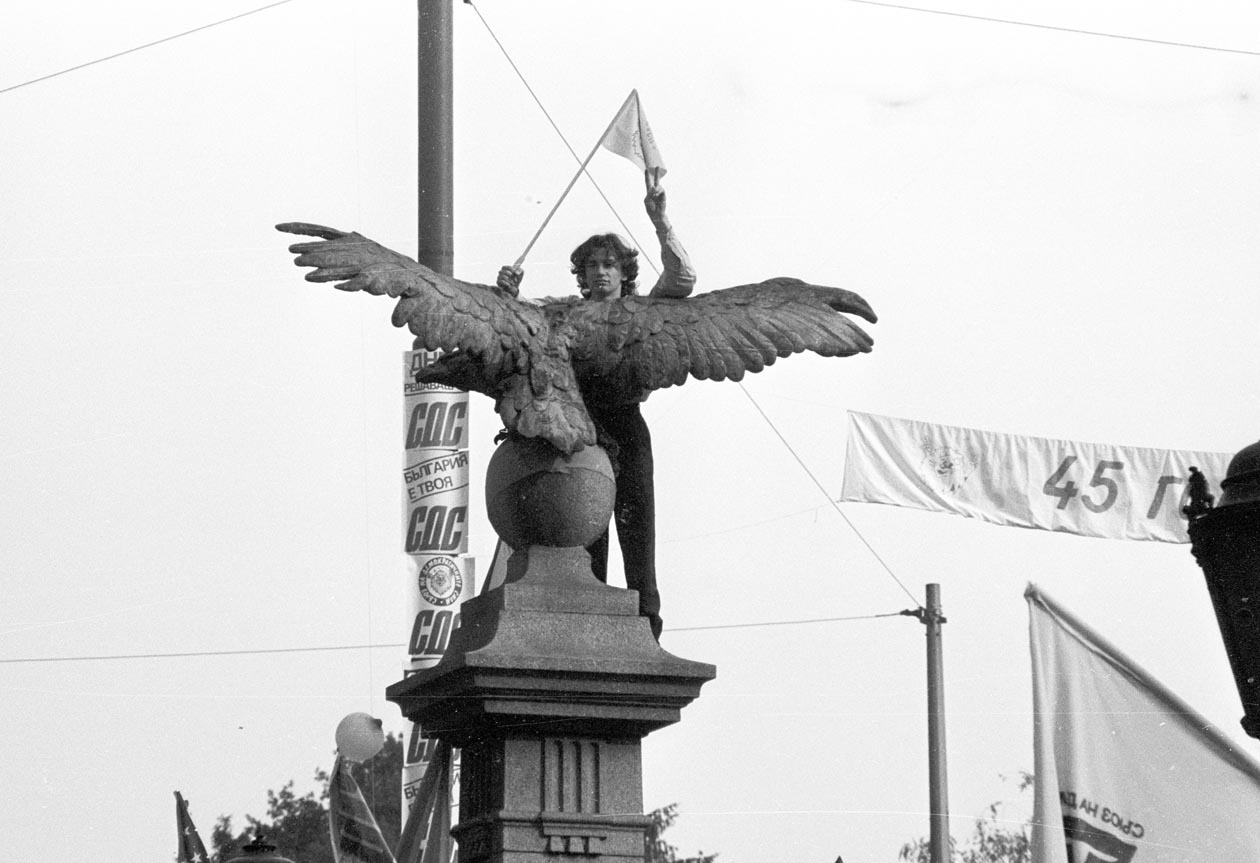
436	175
938	777
435	248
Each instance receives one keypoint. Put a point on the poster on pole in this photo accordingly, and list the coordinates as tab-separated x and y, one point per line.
435	538
435	502
442	584
1090	489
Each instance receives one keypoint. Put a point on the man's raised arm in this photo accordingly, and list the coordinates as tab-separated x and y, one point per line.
678	277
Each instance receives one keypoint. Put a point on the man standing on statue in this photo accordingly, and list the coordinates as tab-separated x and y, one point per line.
607	269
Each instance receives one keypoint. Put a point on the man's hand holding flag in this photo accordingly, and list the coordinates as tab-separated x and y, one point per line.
629	136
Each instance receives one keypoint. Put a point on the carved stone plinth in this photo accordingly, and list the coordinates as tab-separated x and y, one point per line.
548	688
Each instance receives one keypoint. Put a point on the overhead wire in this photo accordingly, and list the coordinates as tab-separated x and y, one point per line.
145	45
554	126
1074	30
742	527
827	495
990	19
191	654
788	622
652	264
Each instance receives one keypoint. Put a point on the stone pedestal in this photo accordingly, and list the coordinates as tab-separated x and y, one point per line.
548	688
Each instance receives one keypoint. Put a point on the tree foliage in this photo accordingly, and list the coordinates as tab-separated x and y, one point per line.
298	825
656	849
992	840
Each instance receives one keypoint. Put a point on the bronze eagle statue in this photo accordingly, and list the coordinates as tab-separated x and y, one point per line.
540	362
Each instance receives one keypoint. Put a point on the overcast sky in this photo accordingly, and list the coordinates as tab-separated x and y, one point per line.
201	451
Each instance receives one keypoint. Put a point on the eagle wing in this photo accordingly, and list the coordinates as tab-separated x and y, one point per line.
634	345
492	342
442	312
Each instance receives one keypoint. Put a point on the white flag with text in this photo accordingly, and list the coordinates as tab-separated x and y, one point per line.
630	136
1125	771
1104	490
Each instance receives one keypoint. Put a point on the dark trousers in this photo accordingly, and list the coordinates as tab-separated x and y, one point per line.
635	508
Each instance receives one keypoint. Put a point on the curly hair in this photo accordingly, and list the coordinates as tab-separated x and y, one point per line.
627	259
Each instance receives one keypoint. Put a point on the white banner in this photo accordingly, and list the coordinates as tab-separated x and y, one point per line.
1119	492
1126	772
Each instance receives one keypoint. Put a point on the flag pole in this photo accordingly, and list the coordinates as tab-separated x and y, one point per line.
580	171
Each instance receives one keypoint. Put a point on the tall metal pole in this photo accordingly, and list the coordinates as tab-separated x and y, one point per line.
436	426
435	179
938	785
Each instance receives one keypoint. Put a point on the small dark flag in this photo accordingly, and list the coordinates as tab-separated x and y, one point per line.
189	847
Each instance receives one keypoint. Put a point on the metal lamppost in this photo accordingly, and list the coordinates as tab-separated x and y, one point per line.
1225	540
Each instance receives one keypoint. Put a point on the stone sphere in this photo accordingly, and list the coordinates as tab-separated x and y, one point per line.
535	495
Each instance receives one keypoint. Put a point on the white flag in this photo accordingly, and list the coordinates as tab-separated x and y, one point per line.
1126	772
631	136
1105	490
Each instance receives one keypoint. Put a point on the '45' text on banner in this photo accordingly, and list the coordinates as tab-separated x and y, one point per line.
1120	492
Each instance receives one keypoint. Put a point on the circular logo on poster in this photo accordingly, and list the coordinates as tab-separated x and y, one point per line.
441	581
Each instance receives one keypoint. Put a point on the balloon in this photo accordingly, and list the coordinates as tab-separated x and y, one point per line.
359	736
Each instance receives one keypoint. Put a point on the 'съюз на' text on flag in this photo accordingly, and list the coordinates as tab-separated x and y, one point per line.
1125	771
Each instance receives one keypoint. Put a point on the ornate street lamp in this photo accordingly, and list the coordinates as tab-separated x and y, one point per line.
1225	540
